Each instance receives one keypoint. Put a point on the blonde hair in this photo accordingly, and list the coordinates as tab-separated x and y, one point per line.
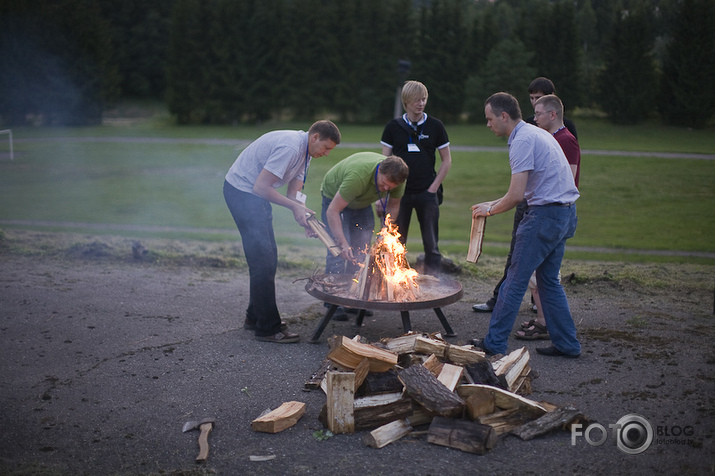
412	91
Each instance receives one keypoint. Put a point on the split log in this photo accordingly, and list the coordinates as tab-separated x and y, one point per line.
340	401
380	382
376	410
460	355
511	366
420	416
503	399
506	420
361	372
434	365
561	418
404	344
315	380
483	373
349	353
386	434
479	404
429	392
323	235
463	435
522	385
450	376
279	419
476	237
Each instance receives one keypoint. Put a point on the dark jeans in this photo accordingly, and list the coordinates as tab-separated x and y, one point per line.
426	206
358	227
254	219
518	216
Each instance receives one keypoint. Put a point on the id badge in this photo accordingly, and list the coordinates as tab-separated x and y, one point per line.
301	197
413	148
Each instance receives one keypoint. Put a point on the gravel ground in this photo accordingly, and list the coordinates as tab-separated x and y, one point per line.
104	359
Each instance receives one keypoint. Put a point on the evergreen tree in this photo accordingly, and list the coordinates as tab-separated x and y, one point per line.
628	82
687	90
55	62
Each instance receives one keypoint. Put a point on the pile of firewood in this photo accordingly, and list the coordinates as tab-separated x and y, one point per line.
391	387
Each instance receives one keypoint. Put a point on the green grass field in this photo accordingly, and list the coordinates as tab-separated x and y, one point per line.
643	203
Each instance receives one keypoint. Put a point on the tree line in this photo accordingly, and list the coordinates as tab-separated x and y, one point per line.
228	61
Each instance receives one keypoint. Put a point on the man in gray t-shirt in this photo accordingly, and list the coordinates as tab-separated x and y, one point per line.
274	160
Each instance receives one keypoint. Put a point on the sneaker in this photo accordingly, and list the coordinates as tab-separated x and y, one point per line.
251	325
340	314
484	307
479	345
552	351
284	337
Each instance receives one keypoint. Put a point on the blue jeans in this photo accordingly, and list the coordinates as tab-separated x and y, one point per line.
539	246
254	219
358	227
426	205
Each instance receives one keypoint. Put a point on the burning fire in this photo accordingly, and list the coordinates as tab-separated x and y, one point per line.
386	275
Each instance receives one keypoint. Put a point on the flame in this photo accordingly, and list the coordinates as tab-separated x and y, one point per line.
390	259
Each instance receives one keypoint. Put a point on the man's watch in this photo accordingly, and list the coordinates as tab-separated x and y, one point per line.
489	211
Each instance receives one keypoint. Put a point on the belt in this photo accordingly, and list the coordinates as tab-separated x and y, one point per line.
557	204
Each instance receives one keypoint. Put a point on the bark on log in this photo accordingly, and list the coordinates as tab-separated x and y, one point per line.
380	382
483	373
429	392
463	435
561	418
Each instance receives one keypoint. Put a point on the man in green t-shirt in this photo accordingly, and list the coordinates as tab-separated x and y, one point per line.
349	189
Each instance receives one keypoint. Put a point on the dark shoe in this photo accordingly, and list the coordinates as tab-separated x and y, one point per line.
251	325
340	314
534	332
479	345
280	338
484	307
552	351
352	310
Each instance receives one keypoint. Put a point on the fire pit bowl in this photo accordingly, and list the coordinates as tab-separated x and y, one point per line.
332	289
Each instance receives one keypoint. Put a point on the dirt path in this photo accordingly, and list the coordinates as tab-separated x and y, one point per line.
103	360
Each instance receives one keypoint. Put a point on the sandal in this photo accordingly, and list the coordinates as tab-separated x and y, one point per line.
526	324
284	337
535	332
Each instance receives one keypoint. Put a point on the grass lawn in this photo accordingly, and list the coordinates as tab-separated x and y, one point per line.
627	202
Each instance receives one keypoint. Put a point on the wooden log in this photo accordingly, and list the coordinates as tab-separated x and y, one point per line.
483	373
279	419
464	435
476	237
323	235
450	375
376	410
511	366
361	372
420	416
506	420
386	434
479	404
451	353
429	392
434	365
522	385
503	399
404	344
561	418
380	382
340	401
349	353
313	383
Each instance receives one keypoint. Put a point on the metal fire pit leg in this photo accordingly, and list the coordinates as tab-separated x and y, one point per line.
443	320
323	323
406	325
360	317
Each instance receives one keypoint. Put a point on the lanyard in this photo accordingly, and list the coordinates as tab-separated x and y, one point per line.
307	158
418	133
382	202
